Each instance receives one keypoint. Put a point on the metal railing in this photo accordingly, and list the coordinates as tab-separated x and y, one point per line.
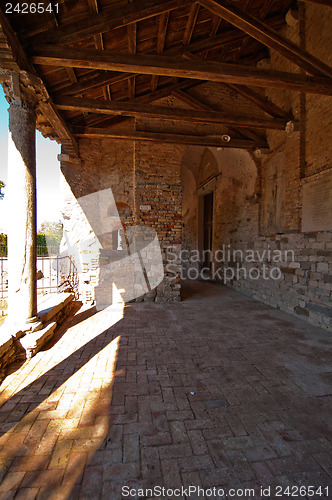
57	273
3	277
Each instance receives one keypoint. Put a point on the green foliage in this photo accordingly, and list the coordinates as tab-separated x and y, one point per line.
3	245
50	233
2	184
41	240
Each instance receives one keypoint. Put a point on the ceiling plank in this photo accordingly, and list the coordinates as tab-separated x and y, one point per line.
161	37
142	111
266	35
212	141
167	66
108	19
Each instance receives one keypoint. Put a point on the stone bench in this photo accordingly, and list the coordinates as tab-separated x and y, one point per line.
17	343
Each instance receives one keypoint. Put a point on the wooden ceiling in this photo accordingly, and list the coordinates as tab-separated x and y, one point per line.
103	62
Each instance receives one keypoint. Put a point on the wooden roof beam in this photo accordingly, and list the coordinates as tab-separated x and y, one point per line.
145	98
262	102
161	37
190	24
264	34
100	80
70	71
201	46
132	40
110	18
51	55
142	111
198	104
229	36
185	139
99	42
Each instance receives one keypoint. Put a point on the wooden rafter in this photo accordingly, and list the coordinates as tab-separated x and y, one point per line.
163	113
229	36
198	104
161	37
143	99
213	141
101	80
262	102
110	18
190	24
266	35
216	20
167	66
132	39
70	71
264	9
99	42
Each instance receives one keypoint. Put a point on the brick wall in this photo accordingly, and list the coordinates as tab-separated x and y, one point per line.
144	180
275	261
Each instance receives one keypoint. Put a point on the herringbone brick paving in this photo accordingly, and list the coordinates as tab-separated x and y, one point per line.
215	391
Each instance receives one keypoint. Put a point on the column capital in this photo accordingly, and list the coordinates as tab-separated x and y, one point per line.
23	89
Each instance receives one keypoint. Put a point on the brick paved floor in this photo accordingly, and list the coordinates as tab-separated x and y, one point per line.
215	391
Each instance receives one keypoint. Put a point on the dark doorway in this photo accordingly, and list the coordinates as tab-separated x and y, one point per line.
207	229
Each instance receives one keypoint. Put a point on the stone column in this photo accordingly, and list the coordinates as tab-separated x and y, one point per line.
22	249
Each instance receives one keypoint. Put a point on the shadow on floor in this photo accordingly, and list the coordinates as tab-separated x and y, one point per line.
216	391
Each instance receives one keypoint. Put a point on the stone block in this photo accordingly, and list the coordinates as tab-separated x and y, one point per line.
53	304
33	342
322	267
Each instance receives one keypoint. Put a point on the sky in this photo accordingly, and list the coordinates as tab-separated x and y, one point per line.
48	173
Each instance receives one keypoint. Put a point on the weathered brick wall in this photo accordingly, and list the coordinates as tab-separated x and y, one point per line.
265	252
145	184
158	185
305	286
